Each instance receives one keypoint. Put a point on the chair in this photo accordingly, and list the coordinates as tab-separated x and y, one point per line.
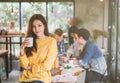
103	78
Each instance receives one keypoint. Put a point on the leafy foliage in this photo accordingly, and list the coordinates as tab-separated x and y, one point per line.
97	33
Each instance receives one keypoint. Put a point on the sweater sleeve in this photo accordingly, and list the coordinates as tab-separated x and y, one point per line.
89	53
24	62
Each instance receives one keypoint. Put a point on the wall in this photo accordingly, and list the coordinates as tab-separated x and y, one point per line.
93	14
90	12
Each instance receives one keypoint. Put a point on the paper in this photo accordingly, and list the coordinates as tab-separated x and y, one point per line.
65	78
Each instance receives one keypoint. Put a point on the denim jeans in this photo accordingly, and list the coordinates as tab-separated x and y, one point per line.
33	82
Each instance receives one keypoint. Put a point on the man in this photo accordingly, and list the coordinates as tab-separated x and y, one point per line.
58	35
92	56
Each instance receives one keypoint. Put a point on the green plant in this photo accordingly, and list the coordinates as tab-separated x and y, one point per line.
97	33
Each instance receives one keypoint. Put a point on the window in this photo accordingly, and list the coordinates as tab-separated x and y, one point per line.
56	13
28	9
9	12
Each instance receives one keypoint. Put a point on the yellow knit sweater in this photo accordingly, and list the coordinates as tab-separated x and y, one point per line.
41	62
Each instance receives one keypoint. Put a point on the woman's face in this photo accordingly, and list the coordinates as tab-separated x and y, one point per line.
38	28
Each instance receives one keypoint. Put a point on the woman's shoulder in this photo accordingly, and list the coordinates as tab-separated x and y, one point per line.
51	39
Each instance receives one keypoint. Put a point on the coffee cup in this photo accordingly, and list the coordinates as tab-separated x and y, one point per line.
30	39
71	62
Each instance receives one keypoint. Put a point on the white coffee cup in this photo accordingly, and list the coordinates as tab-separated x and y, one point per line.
30	39
71	62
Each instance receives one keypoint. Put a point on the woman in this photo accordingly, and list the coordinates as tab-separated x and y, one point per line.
37	61
74	48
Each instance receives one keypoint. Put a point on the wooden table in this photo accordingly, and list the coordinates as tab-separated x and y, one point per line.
4	54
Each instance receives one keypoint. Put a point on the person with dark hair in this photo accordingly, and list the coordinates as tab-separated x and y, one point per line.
72	30
38	60
92	57
74	48
58	35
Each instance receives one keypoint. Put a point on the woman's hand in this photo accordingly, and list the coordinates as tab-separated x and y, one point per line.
28	68
66	59
22	47
75	61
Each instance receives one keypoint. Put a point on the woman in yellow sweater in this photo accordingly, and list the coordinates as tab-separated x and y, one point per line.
37	61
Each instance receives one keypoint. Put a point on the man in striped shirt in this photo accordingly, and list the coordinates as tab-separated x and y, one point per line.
58	35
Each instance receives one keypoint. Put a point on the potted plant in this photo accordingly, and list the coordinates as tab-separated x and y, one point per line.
98	33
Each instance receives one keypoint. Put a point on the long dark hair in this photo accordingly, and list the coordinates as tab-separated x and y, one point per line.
73	29
30	32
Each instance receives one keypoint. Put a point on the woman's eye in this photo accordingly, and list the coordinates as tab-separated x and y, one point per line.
39	25
34	26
